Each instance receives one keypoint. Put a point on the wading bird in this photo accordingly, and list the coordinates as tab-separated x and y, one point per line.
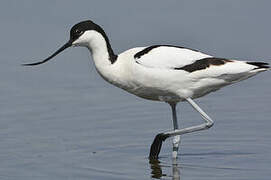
164	73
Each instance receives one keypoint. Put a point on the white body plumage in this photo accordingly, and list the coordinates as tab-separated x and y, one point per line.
162	73
154	75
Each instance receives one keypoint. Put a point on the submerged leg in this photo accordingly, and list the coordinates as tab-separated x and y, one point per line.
177	138
157	143
159	138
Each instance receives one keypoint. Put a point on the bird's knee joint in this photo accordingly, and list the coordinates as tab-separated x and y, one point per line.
209	125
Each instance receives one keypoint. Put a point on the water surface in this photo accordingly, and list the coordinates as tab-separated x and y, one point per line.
62	121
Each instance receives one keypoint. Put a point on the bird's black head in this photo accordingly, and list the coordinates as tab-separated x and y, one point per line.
78	29
80	37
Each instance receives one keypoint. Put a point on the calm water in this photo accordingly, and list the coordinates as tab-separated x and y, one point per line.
62	121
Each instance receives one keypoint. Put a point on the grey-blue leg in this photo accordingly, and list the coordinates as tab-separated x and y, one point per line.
157	143
177	138
208	122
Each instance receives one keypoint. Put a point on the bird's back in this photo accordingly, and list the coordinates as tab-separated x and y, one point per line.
169	71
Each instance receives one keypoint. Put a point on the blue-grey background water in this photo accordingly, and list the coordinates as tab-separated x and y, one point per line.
60	120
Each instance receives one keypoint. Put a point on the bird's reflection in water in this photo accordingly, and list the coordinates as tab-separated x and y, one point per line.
157	172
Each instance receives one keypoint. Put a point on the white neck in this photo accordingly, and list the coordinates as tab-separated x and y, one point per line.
98	48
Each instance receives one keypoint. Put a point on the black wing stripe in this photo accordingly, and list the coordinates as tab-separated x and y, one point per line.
259	65
148	49
203	64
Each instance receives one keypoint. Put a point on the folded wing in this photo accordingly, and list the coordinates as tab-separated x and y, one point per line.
168	57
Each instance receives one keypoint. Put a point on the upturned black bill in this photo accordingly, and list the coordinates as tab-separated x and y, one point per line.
65	46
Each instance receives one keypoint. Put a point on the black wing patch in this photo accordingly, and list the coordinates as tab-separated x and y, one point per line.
203	64
259	65
148	49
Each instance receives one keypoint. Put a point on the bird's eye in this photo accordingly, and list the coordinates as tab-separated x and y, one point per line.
78	31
